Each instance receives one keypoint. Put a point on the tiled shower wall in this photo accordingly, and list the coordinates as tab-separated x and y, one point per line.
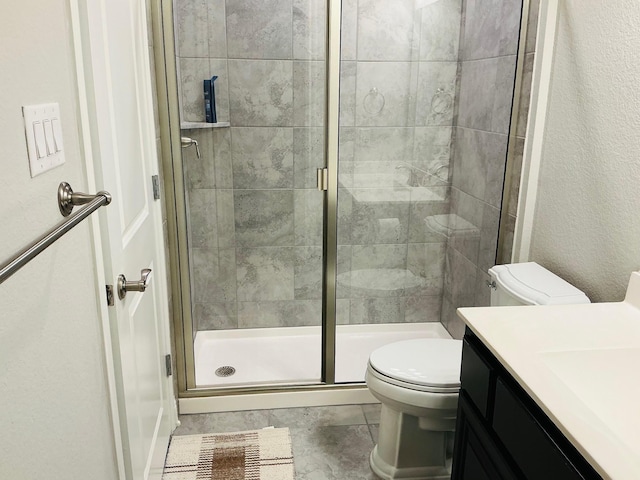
254	214
399	67
489	44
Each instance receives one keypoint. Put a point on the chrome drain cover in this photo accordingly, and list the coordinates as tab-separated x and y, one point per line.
225	371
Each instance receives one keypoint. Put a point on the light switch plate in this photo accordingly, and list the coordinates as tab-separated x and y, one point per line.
43	129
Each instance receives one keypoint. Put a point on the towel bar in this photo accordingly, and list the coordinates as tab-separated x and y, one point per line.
66	200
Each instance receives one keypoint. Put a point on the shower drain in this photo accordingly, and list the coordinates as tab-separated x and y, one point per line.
225	371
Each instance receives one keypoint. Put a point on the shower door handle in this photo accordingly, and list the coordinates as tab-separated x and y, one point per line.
125	286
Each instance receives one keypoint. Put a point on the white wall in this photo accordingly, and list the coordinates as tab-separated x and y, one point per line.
587	221
55	420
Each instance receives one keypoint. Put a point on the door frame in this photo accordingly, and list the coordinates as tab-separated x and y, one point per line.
101	254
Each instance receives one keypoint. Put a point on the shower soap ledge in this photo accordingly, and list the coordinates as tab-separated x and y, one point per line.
194	125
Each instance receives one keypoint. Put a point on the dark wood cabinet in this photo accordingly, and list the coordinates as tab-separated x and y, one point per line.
501	434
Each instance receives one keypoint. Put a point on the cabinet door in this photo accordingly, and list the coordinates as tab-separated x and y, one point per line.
478	457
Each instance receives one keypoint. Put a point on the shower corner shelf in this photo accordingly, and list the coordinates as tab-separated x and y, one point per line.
194	125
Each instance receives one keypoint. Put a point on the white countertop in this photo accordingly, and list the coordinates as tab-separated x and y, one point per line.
581	364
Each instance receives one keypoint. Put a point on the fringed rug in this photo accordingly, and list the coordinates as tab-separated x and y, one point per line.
254	455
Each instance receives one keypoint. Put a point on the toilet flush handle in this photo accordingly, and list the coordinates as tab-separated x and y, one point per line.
491	284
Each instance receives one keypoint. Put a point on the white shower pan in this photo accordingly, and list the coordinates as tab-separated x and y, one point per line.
275	356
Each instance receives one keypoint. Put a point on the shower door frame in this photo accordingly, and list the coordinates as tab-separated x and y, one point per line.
173	181
175	204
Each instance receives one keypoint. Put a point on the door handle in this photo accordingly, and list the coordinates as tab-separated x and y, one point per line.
125	286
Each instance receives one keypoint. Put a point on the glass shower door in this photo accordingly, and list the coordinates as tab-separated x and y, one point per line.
254	215
399	65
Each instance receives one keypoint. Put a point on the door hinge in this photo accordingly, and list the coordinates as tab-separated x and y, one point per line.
155	181
323	179
110	299
167	364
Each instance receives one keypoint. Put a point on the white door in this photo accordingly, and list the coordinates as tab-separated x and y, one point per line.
112	38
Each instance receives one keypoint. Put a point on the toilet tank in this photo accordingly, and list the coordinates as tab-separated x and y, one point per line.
531	284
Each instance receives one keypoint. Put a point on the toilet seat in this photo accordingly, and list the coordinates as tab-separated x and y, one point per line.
425	365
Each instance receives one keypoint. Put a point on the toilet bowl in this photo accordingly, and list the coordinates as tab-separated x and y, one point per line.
417	381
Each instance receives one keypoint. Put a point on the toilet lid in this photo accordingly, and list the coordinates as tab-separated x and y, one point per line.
430	362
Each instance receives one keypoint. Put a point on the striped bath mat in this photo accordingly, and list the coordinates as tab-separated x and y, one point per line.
254	455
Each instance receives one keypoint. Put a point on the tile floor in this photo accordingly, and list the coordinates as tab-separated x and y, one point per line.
329	443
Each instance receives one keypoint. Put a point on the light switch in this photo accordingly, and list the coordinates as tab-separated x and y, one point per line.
43	130
57	134
48	136
38	133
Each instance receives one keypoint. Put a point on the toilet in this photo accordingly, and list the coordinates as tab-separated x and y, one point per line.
417	381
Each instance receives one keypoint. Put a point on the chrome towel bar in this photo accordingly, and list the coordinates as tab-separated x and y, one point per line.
66	200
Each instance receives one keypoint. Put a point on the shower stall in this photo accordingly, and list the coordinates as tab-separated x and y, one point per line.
349	193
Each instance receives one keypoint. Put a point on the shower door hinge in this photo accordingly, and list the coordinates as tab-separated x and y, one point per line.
155	181
323	179
167	364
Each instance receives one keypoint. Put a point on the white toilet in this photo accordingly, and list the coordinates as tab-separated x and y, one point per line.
418	380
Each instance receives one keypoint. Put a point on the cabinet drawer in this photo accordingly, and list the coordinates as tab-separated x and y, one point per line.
475	377
527	441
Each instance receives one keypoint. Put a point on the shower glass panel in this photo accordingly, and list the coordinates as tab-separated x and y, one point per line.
426	94
254	214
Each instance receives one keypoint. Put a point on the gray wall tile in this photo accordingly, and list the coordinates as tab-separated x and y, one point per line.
283	313
202	223
491	28
215	316
525	95
265	273
466	224
308	273
308	93
259	29
262	157
393	82
488	238
503	94
477	94
420	211
308	155
261	93
221	138
385	30
263	217
377	310
308	217
219	68
436	93
479	164
422	309
214	275
380	222
349	30
348	93
432	151
226	218
309	24
200	172
217	20
426	260
440	30
192	28
378	256
193	71
391	145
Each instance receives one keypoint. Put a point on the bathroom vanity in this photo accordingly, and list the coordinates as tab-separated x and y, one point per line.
501	433
550	392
